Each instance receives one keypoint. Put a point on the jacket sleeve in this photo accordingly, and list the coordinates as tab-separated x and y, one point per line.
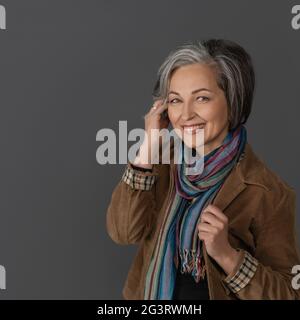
132	206
267	274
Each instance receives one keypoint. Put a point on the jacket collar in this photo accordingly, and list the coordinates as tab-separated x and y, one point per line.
249	170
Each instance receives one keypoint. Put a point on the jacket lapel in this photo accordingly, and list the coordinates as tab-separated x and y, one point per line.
246	171
230	189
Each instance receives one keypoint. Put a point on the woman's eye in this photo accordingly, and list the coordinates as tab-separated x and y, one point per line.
175	100
172	100
203	98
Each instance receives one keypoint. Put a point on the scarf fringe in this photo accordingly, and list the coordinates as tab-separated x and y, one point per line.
192	262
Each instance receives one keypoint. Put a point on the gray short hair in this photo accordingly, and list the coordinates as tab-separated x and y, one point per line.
234	69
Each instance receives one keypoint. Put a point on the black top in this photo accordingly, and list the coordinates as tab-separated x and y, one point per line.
186	288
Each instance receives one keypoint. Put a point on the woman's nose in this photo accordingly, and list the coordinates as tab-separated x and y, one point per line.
187	111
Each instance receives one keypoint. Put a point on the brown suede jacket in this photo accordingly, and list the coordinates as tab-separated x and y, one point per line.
261	211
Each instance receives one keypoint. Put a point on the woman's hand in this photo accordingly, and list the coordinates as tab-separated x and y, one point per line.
213	230
154	119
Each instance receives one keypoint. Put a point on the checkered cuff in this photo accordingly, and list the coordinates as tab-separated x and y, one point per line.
243	275
138	180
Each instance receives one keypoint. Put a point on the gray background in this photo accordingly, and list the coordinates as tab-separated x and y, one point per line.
69	68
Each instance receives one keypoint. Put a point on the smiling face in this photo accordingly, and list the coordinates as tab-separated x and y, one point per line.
194	98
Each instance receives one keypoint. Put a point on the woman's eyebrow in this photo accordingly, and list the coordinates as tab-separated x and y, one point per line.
193	92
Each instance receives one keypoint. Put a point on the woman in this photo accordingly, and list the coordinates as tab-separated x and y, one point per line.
227	232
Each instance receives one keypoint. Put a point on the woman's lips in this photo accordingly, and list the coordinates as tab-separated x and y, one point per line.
193	128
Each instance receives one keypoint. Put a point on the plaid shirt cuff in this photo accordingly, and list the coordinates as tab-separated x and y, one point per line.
243	274
137	179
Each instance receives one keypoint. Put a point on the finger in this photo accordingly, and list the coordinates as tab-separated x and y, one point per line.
205	227
159	107
153	109
204	235
216	211
210	218
156	104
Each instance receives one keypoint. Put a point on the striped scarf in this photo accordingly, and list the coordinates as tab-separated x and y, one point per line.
179	233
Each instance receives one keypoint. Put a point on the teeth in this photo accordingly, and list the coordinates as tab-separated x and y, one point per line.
192	128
